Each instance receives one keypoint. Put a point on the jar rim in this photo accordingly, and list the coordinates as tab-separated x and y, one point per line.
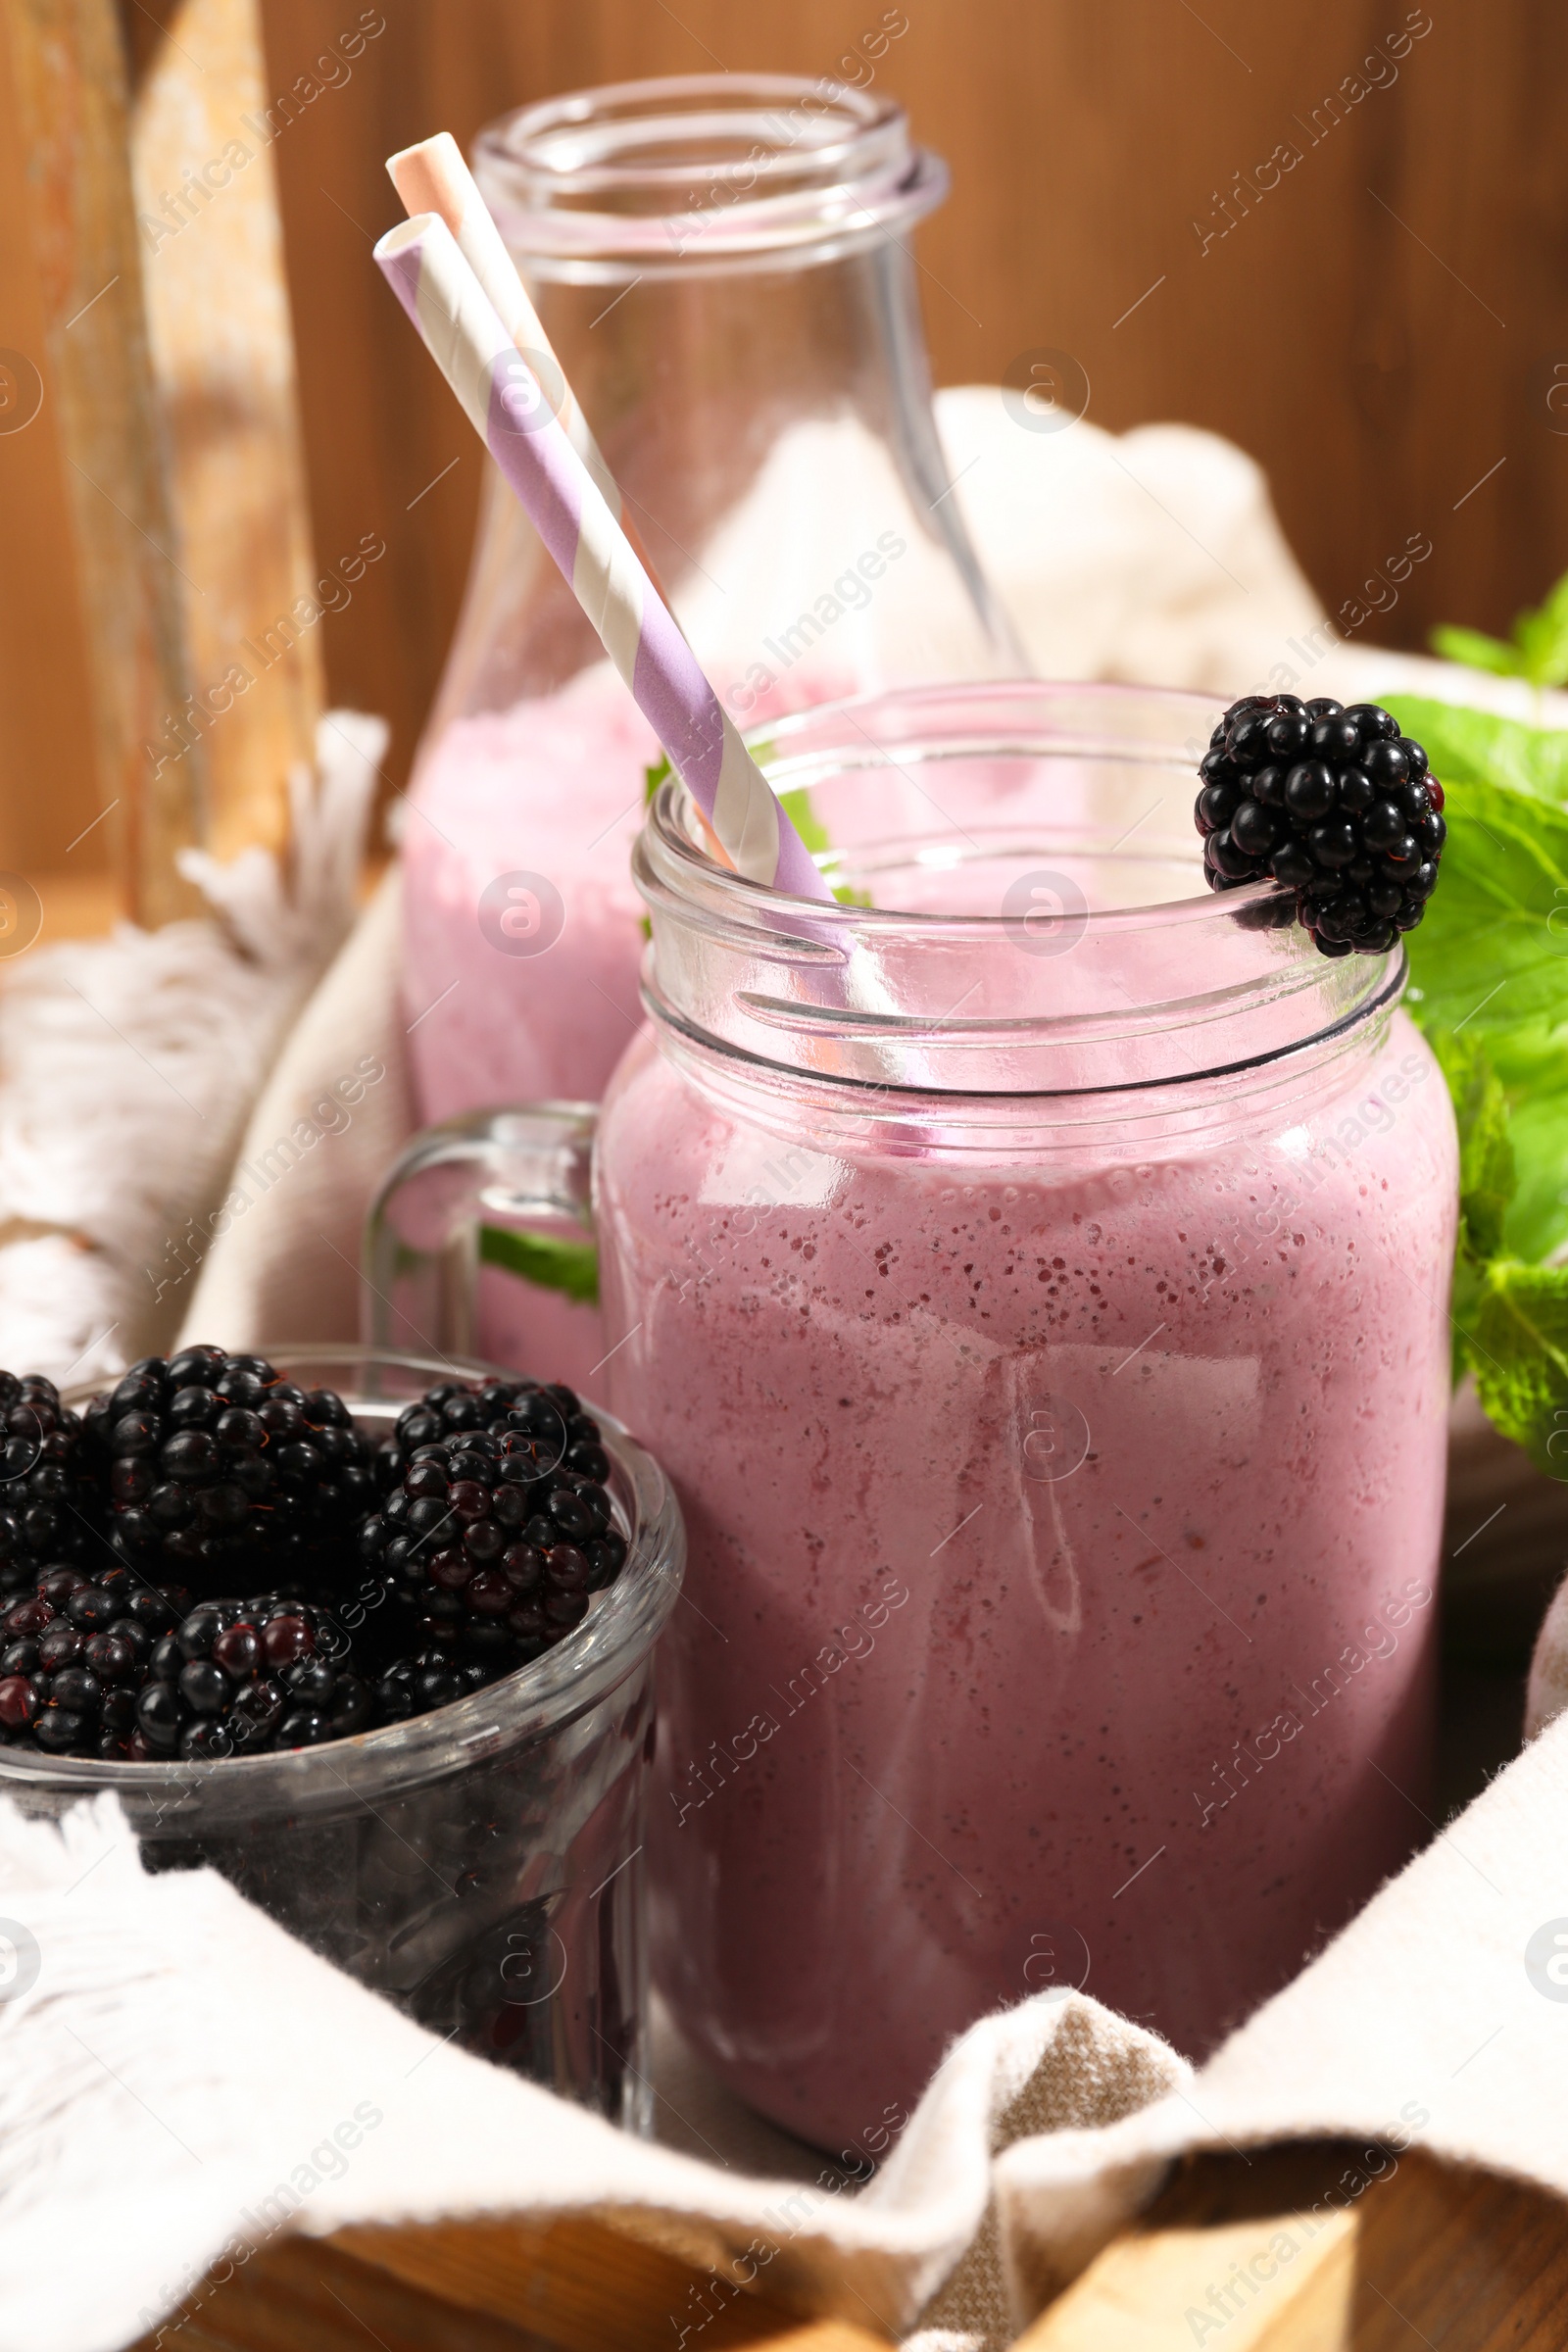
702	172
1231	975
527	1705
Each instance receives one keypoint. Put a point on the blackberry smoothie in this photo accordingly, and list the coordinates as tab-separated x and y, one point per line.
551	789
1063	1463
1060	1568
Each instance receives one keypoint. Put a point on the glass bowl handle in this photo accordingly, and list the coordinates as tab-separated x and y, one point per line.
509	1188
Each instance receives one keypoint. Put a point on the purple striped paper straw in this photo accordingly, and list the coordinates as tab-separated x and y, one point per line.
508	411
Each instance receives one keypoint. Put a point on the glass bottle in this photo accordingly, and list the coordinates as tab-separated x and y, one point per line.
722	266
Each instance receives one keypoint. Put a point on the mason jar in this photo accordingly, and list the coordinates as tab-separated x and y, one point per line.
1033	1272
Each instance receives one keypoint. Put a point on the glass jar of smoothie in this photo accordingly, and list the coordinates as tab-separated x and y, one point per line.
1033	1273
722	266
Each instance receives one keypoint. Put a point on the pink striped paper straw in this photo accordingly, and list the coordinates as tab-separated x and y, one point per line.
508	409
433	177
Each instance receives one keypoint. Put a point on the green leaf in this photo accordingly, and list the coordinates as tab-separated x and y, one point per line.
1486	1178
1489	964
1476	746
1474	650
1521	1359
547	1260
797	807
654	776
1464	1308
1536	1225
1493	947
1541	637
1537	649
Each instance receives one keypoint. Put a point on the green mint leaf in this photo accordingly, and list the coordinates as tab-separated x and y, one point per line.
1475	651
1489	964
1469	746
797	807
654	776
1492	949
1520	1351
1542	639
1537	649
1537	1224
1487	1178
549	1261
1464	1308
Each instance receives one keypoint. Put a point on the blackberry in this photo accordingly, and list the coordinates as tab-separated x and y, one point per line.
72	1655
1336	804
221	1475
545	1412
237	1677
49	1498
431	1678
500	1526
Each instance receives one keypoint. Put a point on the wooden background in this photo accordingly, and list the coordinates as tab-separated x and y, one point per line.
1380	330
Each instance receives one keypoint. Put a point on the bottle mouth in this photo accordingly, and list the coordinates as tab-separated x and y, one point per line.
1021	907
702	172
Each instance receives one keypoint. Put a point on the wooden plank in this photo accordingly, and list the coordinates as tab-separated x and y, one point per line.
573	2286
222	364
1287	2254
68	108
48	748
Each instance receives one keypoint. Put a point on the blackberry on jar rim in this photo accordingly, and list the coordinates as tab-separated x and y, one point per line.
1334	802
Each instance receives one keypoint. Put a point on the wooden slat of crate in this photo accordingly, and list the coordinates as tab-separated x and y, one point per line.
1430	2252
486	2286
160	573
48	748
222	367
65	97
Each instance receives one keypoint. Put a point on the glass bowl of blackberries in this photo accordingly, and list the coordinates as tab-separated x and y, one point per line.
370	1635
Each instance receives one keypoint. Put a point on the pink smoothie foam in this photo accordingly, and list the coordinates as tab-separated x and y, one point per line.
1060	1605
550	787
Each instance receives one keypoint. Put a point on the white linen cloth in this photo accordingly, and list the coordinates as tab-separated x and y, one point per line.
173	2074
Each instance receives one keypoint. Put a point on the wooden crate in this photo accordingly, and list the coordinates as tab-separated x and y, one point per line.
151	456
